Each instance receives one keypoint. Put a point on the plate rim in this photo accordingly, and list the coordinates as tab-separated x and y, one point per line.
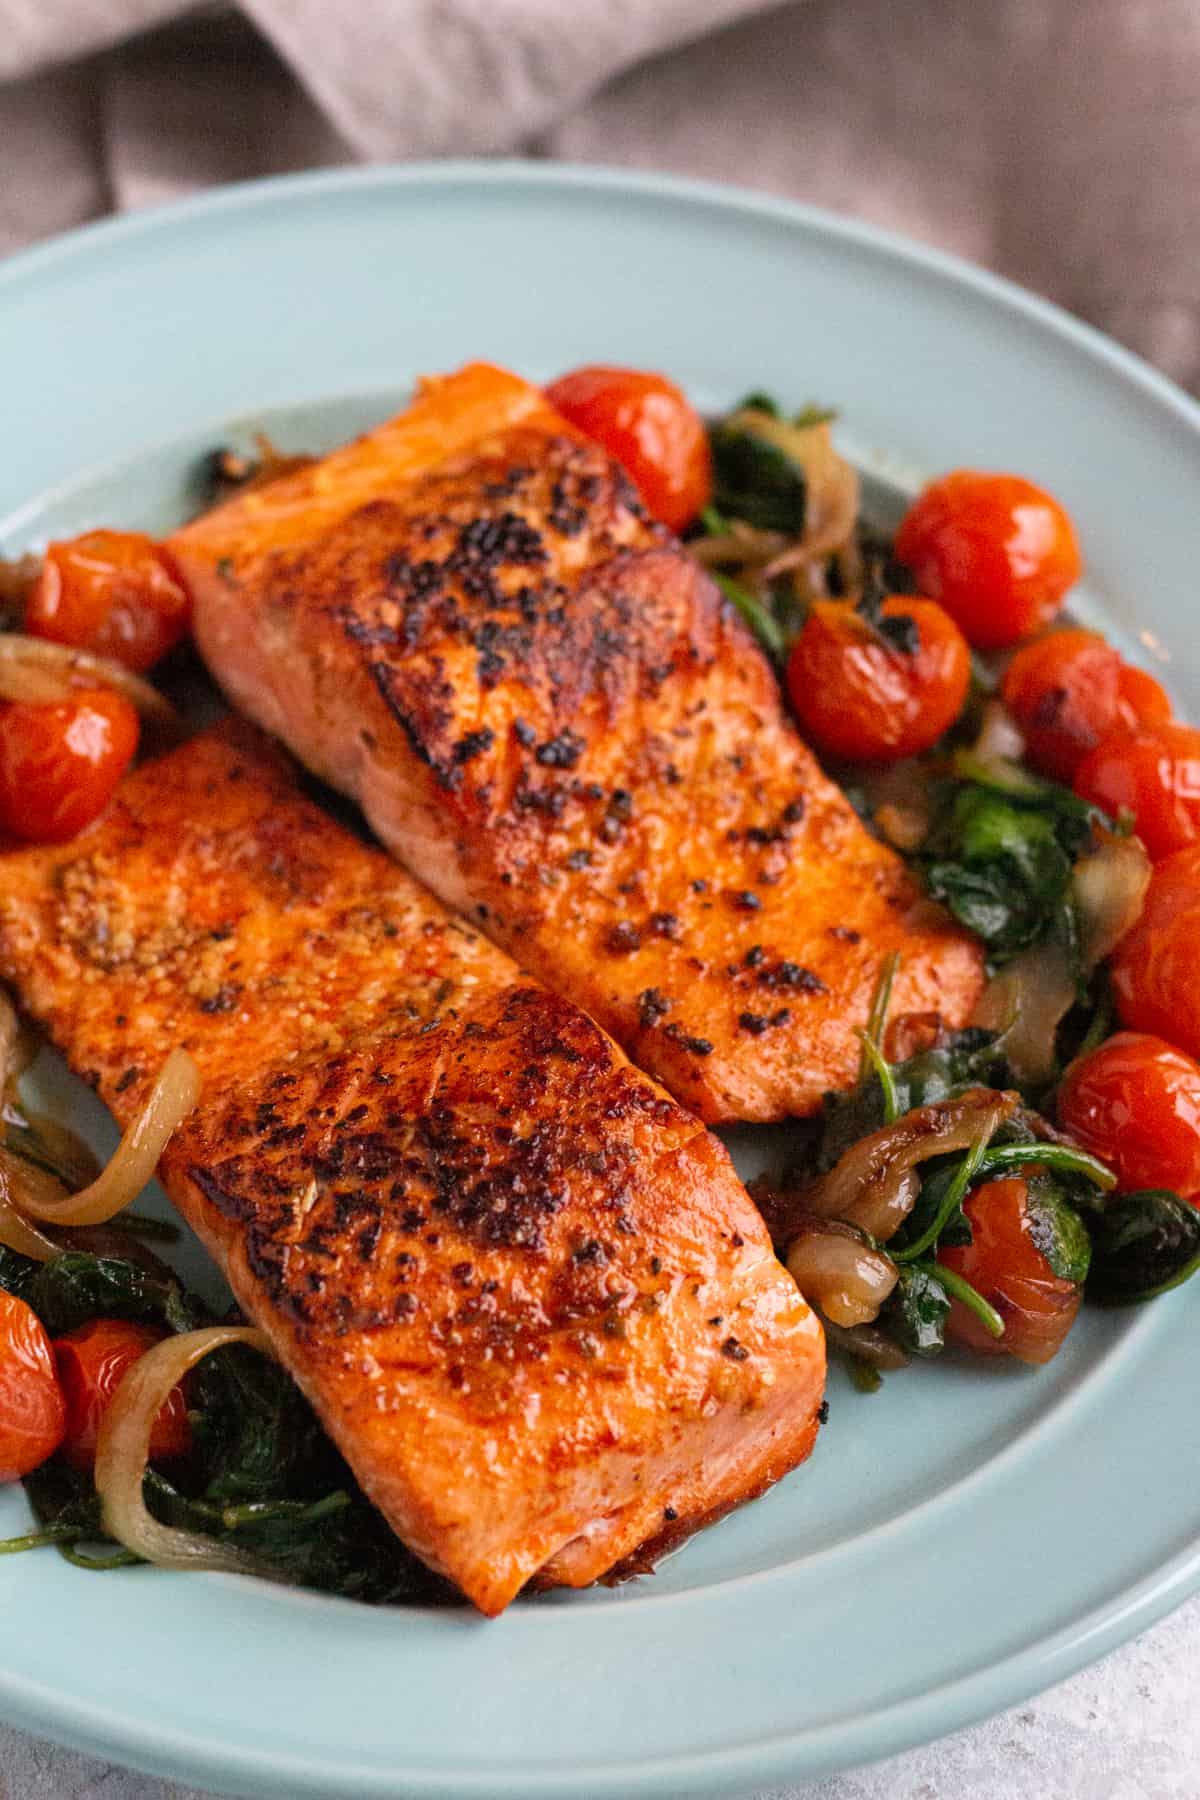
985	1690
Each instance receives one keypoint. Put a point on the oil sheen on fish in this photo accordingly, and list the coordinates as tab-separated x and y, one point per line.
524	1290
467	622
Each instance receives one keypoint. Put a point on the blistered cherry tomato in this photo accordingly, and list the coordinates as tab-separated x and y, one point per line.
91	1362
1135	1103
650	427
60	763
1155	966
1155	775
1003	1263
1144	701
32	1410
859	697
114	592
1064	691
999	553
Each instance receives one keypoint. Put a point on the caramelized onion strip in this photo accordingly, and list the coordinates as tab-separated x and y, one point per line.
123	1450
874	1185
838	1272
40	672
133	1162
16	1231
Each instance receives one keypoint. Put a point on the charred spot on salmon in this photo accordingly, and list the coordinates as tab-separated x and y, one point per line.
623	938
845	934
699	1046
793	977
577	859
126	1080
506	539
735	1351
652	1006
757	1023
754	956
744	900
666	925
223	1000
562	751
474	743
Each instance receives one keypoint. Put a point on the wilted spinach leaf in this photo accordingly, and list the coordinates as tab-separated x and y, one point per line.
916	1311
759	472
1057	1231
76	1286
1001	859
1142	1244
16	1272
970	1058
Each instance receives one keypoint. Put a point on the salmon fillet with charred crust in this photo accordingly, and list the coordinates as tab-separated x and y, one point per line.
546	709
525	1292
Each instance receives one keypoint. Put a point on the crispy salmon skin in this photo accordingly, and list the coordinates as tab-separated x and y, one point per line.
467	622
525	1292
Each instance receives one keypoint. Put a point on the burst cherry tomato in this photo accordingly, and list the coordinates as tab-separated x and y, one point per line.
1070	690
1135	1103
1155	775
650	427
32	1410
1154	967
114	592
1063	690
91	1362
998	552
1144	701
1003	1263
60	763
859	697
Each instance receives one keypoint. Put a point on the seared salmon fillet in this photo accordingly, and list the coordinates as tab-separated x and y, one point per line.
546	709
524	1290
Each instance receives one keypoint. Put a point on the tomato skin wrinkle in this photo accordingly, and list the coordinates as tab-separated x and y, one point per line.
1135	1103
650	427
999	553
859	698
1153	773
1003	1263
91	1363
1153	968
32	1407
60	763
113	592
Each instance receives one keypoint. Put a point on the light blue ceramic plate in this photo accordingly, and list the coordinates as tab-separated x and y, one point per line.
963	1538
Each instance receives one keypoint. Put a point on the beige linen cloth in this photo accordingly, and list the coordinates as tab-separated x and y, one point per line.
1056	140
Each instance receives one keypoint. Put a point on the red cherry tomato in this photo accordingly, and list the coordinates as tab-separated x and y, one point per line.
1155	775
999	553
650	427
858	697
1144	701
32	1410
91	1362
1154	967
60	763
1064	691
1069	690
1003	1263
1135	1103
114	592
